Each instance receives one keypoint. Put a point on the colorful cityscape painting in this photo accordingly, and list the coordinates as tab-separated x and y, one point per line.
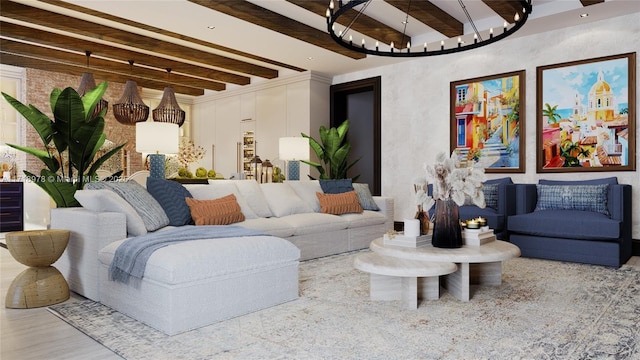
584	119
487	122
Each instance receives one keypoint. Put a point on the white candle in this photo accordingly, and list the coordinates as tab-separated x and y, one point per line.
412	227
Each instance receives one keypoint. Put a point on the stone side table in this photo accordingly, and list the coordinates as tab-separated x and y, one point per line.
41	284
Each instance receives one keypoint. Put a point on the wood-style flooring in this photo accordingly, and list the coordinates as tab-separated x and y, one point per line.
36	334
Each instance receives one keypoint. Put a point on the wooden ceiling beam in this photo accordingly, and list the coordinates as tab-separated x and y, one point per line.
84	10
430	15
260	16
25	33
77	26
41	64
590	2
507	9
365	24
136	72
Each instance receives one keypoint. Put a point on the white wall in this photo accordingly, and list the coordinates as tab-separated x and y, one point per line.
415	101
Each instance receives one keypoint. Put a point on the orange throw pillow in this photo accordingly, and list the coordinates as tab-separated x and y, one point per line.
337	204
222	211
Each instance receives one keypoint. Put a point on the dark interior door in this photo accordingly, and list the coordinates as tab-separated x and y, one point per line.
359	101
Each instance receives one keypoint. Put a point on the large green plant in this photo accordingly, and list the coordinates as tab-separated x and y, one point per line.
74	130
333	152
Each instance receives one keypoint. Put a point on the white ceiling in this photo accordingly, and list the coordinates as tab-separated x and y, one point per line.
184	17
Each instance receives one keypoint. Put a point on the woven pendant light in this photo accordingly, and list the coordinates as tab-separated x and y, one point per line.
130	109
169	111
88	83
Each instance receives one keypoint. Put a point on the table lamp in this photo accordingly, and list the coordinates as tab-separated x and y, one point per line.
157	139
293	149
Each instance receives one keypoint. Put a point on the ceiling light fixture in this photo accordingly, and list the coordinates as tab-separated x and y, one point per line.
584	15
88	83
169	110
130	109
458	44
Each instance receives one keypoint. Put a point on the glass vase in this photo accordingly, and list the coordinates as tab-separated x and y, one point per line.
446	225
423	217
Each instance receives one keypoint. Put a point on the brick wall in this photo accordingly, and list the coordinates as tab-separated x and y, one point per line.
39	86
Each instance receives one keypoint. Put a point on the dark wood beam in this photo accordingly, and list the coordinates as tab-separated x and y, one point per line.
156	30
97	31
260	16
507	9
365	25
25	33
590	2
430	15
33	63
136	73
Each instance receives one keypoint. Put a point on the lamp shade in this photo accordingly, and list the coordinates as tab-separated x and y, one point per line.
157	137
293	148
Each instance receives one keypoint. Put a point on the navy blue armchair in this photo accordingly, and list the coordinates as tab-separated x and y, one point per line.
599	235
496	216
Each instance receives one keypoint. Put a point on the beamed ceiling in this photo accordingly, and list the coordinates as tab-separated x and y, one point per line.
249	41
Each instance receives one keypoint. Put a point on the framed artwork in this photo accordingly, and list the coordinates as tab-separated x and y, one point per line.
487	122
586	115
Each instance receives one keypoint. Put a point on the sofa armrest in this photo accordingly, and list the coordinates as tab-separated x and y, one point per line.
506	199
90	232
385	203
526	198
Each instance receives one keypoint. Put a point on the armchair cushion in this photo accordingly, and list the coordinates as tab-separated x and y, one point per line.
573	197
567	224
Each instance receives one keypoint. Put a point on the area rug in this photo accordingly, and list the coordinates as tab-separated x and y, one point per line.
542	310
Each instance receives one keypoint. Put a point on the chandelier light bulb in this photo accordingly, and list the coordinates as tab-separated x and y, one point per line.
331	6
392	46
516	17
408	44
328	13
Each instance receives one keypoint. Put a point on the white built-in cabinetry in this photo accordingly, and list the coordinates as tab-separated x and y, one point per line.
275	108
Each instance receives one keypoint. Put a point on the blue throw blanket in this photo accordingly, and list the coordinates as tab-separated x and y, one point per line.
130	259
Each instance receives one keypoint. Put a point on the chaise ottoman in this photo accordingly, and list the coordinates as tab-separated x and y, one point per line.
196	283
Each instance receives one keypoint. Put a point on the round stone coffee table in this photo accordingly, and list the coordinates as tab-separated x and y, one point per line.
476	264
41	284
393	278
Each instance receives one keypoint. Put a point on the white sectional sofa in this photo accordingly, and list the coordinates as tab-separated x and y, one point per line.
190	284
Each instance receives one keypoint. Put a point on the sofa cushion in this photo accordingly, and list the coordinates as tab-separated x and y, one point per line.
314	223
171	196
222	211
307	191
490	192
573	197
568	224
366	218
104	200
218	189
139	198
273	226
610	180
188	263
283	200
336	186
337	204
365	197
252	193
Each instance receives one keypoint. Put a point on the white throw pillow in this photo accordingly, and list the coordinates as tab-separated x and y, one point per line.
108	201
220	188
307	191
283	200
252	193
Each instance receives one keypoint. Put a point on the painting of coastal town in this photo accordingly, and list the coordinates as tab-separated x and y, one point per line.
487	122
586	115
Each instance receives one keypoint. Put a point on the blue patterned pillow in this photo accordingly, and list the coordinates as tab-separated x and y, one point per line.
490	195
171	196
364	195
336	186
139	198
573	197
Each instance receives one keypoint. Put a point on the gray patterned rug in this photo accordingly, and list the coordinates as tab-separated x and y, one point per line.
542	310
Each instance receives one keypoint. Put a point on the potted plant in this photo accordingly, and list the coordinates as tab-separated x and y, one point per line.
75	133
333	152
